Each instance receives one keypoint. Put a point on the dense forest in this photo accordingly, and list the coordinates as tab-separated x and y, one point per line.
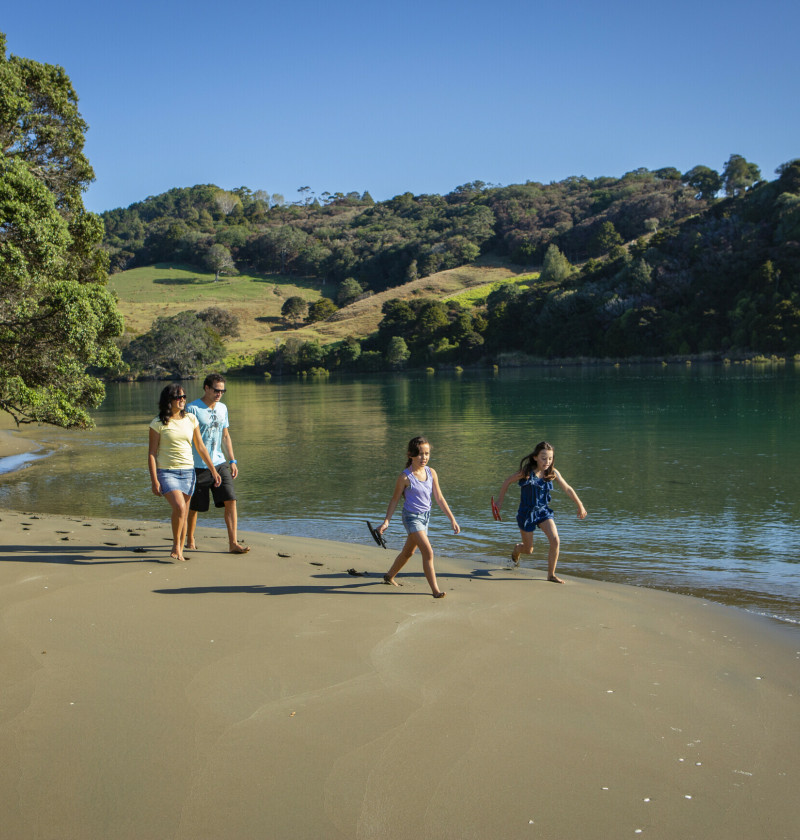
650	264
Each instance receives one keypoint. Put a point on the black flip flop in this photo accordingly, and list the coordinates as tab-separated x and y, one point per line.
376	536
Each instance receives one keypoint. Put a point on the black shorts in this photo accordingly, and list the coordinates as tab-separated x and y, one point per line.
223	493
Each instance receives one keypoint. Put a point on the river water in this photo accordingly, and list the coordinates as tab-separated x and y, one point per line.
689	473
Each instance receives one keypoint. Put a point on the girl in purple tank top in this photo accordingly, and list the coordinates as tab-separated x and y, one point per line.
417	484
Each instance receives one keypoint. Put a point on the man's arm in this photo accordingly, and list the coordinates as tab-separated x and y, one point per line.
227	447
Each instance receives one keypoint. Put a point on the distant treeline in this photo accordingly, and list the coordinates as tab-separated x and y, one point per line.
652	263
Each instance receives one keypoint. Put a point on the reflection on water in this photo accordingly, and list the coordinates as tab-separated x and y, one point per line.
15	462
688	474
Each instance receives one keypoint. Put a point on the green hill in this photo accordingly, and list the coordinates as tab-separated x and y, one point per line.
650	264
150	292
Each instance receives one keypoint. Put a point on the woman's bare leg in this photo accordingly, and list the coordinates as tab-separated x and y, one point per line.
179	502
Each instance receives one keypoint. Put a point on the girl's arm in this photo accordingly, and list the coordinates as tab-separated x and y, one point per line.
506	484
572	494
151	462
400	485
442	502
197	440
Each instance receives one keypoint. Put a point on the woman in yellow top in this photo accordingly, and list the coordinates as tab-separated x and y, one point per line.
170	460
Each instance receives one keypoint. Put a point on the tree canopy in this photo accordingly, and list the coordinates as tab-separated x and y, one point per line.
57	318
177	346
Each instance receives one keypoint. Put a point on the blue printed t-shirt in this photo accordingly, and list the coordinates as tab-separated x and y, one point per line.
212	422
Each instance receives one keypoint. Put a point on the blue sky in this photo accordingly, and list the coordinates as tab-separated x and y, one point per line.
415	96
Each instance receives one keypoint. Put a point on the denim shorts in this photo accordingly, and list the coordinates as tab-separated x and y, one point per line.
414	522
182	480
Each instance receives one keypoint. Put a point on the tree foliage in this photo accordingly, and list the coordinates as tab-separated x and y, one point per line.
218	259
294	308
739	175
349	290
397	353
321	309
704	180
556	266
224	322
57	318
177	347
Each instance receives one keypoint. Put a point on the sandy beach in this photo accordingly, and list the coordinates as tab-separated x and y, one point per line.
11	441
276	694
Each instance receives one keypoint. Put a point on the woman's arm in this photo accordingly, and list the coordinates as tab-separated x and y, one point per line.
400	485
572	494
506	484
151	462
442	502
197	439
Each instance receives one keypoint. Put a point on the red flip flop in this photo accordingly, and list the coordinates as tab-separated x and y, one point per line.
495	511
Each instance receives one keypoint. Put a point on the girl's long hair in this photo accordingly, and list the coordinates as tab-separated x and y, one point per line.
167	396
528	464
413	447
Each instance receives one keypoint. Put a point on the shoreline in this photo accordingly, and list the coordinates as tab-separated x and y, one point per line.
504	361
11	445
278	693
17	452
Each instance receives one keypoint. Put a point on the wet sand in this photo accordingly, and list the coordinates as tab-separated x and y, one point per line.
276	694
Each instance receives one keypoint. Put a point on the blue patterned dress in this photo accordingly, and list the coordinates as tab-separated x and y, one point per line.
534	502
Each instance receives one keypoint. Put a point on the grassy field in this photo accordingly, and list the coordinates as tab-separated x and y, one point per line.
152	291
474	294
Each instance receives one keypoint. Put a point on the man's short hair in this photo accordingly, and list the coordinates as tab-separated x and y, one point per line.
209	381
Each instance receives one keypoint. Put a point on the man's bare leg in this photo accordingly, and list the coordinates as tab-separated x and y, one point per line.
231	523
191	522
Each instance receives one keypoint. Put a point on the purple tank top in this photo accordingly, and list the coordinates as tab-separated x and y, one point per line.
418	494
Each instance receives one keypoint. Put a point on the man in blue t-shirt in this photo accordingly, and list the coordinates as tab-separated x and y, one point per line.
213	418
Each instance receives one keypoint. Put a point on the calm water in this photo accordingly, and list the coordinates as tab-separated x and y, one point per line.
689	474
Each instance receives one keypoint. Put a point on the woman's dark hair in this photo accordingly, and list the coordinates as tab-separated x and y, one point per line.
528	464
167	396
413	448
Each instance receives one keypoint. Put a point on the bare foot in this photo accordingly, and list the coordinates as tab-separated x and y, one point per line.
191	546
439	594
237	548
554	579
176	555
391	581
515	557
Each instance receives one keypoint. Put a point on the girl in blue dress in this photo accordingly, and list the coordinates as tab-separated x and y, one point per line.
535	477
417	484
